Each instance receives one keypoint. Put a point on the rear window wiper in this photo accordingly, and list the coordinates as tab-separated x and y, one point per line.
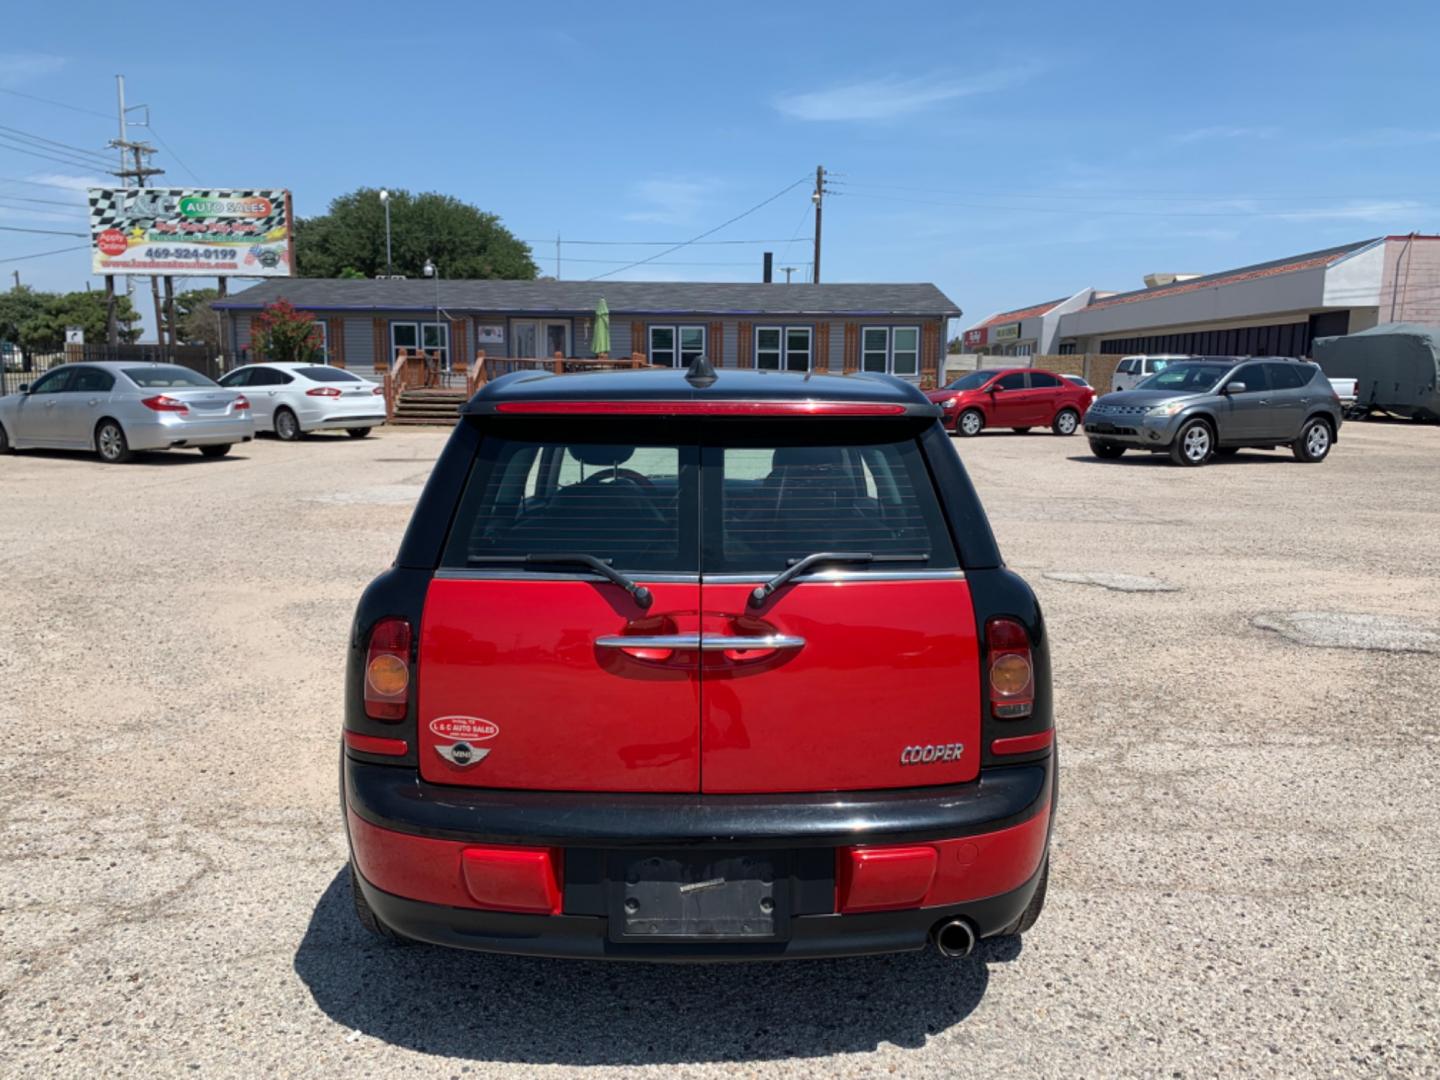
797	567
639	593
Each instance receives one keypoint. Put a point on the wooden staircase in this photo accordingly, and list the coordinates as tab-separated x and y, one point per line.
428	405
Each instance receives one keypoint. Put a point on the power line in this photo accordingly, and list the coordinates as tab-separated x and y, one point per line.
43	142
1145	194
707	232
43	232
42	254
650	243
40	183
172	153
47	202
1272	214
57	104
73	162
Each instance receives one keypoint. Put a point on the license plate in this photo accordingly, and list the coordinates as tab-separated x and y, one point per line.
684	896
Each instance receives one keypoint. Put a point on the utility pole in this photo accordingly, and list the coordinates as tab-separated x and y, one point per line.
139	171
17	279
788	271
818	198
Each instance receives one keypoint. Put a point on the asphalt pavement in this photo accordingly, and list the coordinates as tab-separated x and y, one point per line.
1246	871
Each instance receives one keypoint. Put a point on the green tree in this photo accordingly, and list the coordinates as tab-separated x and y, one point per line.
196	318
463	241
282	335
17	307
44	330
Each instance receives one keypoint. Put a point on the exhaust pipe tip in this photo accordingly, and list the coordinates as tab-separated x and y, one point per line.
955	938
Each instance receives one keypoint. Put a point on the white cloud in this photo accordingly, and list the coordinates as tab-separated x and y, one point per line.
17	68
69	180
892	96
1378	210
670	202
1206	134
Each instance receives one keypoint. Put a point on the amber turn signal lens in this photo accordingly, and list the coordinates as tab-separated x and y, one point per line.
388	675
1010	674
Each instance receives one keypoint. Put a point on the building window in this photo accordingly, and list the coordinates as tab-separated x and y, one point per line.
666	342
782	348
896	351
429	336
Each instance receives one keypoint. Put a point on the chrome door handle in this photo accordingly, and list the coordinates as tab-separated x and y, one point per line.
93	401
49	404
701	642
1263	401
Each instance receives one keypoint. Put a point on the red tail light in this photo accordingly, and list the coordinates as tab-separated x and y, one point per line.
241	402
387	670
322	391
165	403
1009	670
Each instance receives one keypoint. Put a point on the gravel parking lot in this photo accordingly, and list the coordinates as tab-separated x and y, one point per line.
1246	871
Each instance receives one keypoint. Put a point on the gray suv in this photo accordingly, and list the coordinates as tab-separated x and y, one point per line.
1195	409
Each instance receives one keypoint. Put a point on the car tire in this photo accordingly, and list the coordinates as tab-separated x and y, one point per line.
366	914
215	451
5	447
1107	450
970	423
1031	914
1194	444
1067	422
357	432
111	444
287	427
1314	442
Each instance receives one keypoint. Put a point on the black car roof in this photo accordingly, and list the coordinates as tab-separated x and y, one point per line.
719	385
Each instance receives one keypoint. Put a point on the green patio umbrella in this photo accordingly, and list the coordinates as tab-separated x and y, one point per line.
600	339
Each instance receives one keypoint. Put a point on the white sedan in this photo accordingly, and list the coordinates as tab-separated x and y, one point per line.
293	399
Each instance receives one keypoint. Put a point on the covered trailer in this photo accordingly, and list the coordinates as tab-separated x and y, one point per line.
1396	367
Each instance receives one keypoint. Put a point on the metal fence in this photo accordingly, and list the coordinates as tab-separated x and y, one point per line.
17	370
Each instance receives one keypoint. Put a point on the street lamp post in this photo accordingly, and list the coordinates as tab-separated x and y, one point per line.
432	271
385	200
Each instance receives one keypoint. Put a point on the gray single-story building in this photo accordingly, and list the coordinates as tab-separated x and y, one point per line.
898	329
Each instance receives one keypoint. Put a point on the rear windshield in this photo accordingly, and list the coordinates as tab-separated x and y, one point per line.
326	374
727	497
163	375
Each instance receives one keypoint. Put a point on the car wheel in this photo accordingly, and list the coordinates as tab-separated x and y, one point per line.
215	451
1314	442
357	432
366	914
4	441
286	426
111	444
1107	450
1066	423
970	424
1031	914
1194	444
1020	430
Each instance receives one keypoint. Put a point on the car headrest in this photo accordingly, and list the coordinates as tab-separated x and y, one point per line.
791	456
601	453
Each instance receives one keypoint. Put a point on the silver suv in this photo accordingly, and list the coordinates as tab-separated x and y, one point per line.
1195	409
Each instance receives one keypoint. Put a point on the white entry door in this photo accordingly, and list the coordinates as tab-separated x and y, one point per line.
540	337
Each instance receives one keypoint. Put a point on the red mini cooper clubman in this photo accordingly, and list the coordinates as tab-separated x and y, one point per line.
698	666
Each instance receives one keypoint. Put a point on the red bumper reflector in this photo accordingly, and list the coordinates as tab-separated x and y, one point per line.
513	878
374	744
874	879
706	408
1023	744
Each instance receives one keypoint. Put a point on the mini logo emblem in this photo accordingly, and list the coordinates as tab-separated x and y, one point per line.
464	728
931	753
461	754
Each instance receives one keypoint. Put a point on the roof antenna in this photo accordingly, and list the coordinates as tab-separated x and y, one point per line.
700	374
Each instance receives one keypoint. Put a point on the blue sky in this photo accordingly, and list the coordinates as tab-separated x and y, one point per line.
1009	153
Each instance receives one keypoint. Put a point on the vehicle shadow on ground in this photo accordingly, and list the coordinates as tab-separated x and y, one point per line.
180	456
1161	461
556	1012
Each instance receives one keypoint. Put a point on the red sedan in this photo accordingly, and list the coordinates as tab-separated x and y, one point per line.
1017	398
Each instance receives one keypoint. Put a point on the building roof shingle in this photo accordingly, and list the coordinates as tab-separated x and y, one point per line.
1019	313
578	297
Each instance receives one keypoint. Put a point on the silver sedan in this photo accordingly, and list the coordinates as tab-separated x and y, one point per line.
117	408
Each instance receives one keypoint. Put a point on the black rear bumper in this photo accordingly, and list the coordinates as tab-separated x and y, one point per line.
588	825
394	797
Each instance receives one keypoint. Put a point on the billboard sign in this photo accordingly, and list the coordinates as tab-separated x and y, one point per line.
1010	332
976	339
178	231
